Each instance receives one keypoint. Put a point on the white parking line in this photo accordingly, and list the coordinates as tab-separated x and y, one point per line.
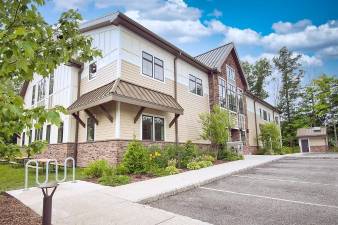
283	180
271	198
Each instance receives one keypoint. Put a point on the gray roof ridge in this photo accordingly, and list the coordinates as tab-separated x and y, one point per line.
213	49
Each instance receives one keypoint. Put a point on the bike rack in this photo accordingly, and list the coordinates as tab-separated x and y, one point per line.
36	161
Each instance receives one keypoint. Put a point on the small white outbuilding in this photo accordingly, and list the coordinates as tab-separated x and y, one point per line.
312	139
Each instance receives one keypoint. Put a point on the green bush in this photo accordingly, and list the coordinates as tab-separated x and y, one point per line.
171	170
121	169
158	157
190	151
206	157
229	155
172	162
114	180
204	163
157	171
193	165
96	169
136	158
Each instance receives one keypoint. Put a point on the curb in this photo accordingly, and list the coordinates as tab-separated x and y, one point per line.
201	183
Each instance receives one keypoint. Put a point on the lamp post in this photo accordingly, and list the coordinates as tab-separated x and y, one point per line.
47	202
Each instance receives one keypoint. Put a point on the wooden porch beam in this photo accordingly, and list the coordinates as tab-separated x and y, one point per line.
138	114
79	120
174	120
91	116
106	113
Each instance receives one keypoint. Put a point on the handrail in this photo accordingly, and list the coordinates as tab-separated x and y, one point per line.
36	161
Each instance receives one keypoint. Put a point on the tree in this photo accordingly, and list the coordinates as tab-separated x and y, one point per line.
257	75
216	126
291	73
29	46
270	137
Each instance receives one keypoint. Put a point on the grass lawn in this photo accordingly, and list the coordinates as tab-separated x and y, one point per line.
13	177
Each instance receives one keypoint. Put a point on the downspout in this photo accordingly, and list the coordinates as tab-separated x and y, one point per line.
77	122
256	124
175	96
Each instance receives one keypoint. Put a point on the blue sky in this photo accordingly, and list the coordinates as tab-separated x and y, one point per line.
258	28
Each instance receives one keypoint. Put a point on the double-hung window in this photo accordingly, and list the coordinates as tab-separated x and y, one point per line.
51	84
158	69
48	130
92	70
38	134
265	115
195	85
152	128
147	64
23	138
41	90
33	95
230	73
60	133
90	129
152	66
222	92
232	98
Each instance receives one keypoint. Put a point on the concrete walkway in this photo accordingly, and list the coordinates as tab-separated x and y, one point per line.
87	203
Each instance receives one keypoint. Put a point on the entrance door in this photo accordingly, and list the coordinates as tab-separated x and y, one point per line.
305	145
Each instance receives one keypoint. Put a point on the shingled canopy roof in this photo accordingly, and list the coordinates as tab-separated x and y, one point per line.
123	91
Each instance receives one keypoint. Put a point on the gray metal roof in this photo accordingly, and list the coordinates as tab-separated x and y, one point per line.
127	92
215	57
311	132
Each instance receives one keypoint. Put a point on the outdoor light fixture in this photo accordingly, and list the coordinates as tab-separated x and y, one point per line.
47	202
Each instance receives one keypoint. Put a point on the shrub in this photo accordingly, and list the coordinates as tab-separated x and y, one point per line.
204	163
121	169
205	157
157	156
96	169
271	139
114	180
193	165
229	155
189	152
157	171
136	158
172	162
170	170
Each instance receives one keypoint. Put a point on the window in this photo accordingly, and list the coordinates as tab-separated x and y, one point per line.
265	115
195	85
147	64
48	129
30	136
51	84
152	128
230	73
92	70
60	133
277	119
38	134
158	69
147	127
41	89
222	92
90	129
232	98
240	102
33	95
269	118
23	138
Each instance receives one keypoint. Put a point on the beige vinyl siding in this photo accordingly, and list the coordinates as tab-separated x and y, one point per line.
130	130
317	141
189	126
105	130
132	73
104	76
252	129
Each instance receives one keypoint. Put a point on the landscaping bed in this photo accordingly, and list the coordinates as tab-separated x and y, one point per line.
13	212
142	163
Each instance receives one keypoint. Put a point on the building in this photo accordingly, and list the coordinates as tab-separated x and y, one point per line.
312	139
142	87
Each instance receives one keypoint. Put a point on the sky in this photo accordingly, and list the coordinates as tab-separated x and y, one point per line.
258	28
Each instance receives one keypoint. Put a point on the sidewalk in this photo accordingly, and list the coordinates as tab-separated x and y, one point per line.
87	203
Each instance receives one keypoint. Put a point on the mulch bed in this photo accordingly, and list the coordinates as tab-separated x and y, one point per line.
13	212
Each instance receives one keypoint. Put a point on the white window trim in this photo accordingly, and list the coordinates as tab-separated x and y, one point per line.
226	94
153	75
228	66
153	138
87	130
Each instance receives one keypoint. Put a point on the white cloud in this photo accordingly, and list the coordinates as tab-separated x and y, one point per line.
331	51
216	13
287	27
70	4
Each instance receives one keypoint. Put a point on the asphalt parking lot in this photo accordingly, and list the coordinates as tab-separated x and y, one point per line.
292	190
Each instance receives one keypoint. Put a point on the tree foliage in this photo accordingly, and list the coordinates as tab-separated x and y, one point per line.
29	45
257	75
216	126
270	137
